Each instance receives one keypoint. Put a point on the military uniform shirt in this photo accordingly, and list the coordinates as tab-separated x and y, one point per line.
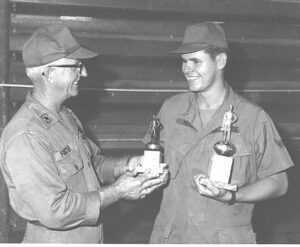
52	171
185	216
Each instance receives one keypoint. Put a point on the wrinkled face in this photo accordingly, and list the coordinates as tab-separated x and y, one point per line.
200	70
65	74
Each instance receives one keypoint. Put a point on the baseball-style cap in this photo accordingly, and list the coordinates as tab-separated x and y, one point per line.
50	43
200	36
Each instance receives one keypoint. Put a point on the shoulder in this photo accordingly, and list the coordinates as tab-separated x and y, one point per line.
245	103
23	122
178	102
252	117
248	109
172	108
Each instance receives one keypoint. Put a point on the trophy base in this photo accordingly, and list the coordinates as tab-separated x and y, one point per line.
155	170
220	172
225	186
152	160
220	168
204	180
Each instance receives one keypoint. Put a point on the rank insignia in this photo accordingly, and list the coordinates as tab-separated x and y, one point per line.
46	118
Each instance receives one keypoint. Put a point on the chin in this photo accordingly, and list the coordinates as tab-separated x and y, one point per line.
194	89
73	94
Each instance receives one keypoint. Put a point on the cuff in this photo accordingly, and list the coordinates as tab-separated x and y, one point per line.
92	207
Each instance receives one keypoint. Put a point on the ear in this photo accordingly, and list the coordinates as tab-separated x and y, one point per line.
47	75
221	60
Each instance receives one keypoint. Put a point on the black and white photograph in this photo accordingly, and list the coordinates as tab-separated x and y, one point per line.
149	122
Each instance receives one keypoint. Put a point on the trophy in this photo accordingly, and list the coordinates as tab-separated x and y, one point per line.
222	161
153	152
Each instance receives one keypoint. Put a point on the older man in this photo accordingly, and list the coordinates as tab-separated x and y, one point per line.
54	173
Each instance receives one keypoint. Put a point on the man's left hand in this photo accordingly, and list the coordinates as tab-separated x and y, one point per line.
207	188
133	163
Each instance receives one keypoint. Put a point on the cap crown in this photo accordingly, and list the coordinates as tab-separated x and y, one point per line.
50	43
201	35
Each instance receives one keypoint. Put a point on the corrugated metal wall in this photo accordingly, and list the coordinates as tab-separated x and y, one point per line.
134	73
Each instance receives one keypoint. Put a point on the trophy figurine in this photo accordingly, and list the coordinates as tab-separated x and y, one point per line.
222	161
153	151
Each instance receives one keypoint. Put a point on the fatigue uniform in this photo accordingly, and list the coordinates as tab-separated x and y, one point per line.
52	171
187	217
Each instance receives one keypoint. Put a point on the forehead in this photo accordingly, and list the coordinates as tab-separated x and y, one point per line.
195	55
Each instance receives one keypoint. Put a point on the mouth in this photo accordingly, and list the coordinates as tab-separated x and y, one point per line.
192	78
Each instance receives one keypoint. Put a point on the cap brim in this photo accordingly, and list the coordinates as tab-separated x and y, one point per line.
82	53
188	48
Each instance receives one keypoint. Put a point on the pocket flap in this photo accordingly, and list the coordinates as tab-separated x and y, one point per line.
68	162
241	148
179	141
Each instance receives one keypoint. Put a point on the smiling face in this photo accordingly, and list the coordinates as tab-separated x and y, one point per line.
201	71
66	79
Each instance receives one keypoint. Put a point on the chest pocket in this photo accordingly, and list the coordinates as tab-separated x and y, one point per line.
177	146
244	170
68	162
86	144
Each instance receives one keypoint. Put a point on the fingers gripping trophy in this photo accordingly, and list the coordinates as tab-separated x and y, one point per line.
222	161
153	152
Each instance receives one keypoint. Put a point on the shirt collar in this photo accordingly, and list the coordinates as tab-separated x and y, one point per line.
190	114
46	116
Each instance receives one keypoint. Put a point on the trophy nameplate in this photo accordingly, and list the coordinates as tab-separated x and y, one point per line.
153	152
222	162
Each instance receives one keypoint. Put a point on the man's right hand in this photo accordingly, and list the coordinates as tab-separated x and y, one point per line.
131	187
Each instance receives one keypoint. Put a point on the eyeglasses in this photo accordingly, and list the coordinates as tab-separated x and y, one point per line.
74	66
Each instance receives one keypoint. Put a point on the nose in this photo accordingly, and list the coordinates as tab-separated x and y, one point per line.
187	66
83	72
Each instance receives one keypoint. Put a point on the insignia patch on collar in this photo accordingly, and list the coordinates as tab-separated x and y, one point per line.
46	118
65	151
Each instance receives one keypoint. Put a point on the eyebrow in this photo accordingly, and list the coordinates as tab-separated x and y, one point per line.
192	59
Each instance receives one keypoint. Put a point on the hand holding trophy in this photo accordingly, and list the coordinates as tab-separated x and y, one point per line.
222	161
153	153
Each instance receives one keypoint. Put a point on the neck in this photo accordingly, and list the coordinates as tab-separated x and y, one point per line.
50	102
212	99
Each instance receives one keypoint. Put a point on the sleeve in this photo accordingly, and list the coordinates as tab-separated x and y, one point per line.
36	180
104	166
270	153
